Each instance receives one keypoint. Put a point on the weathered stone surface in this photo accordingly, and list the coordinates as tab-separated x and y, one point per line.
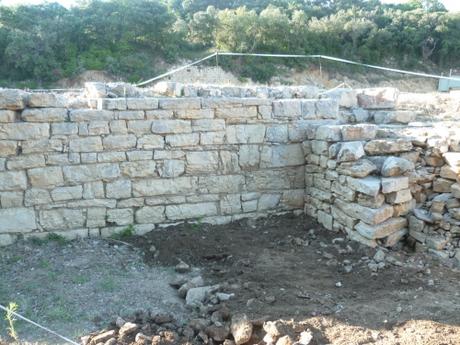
87	115
45	115
325	219
67	193
24	131
455	190
442	185
153	187
398	116
370	200
236	113
378	98
268	201
327	108
241	329
121	216
394	184
119	142
277	133
12	99
287	108
7	116
281	156
89	144
350	151
346	98
329	133
187	211
202	161
182	140
46	177
245	134
368	185
381	230
386	146
118	189
249	156
359	132
360	168
172	168
171	126
399	197
91	172
207	125
25	162
59	219
366	214
395	166
17	220
180	103
343	218
138	169
142	103
448	172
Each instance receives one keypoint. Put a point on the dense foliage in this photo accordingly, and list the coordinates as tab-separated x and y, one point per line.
129	38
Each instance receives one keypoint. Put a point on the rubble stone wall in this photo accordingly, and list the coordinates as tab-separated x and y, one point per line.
80	166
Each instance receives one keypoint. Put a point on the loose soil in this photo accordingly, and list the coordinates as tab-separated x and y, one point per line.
284	267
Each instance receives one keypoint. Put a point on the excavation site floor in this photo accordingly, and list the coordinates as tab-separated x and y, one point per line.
277	268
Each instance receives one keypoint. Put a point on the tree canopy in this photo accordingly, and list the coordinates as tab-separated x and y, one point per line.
128	38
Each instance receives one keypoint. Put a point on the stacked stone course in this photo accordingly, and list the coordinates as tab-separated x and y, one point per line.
368	162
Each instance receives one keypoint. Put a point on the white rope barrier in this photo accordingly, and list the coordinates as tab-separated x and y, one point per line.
325	57
38	325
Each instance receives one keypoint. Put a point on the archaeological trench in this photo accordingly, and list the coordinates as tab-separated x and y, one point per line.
379	165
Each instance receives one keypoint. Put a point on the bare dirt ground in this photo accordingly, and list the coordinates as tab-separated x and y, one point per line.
278	268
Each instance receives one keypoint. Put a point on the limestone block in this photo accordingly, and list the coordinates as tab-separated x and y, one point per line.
327	109
360	168
46	177
212	138
187	211
398	197
343	218
359	132
191	114
308	108
264	112
7	239
281	156
360	115
366	214
245	134
230	204
67	193
381	230
378	98
372	201
98	128
150	214
395	166
111	103
221	184
17	220
88	144
236	113
91	172
24	131
93	190
350	151
268	201
368	185
12	199
180	103
153	187
320	147
394	184
130	115
293	198
87	115
63	218
329	133
96	217
287	108
346	98
319	194
277	133
442	185
301	130
120	216
455	190
446	172
12	99
118	189
172	168
137	169
386	146
325	219
182	140
119	142
202	161
7	116
119	127
249	156
45	115
208	125
46	100
36	196
398	116
159	114
394	238
142	103
25	161
149	142
108	157
343	191
171	126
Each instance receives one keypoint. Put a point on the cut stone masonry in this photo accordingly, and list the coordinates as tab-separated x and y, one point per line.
92	163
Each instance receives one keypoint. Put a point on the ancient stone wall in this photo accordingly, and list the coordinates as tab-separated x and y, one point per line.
78	166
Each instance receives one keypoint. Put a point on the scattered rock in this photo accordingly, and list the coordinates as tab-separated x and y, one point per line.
305	338
285	340
379	256
182	267
218	333
241	329
128	328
